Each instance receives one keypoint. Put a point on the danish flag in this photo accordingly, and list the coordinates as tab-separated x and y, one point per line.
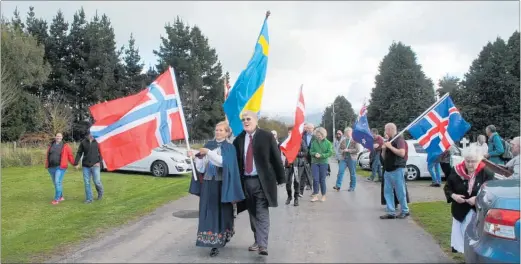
129	128
439	128
291	146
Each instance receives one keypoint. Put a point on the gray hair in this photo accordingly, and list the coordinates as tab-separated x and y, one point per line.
249	113
472	152
482	137
322	131
491	128
516	140
348	129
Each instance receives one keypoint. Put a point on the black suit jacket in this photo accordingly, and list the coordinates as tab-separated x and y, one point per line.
268	163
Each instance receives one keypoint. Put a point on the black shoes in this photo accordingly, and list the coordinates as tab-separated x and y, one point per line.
389	216
288	200
263	251
214	252
295	203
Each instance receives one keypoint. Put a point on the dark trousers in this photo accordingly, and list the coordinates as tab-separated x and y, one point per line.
305	178
258	210
293	176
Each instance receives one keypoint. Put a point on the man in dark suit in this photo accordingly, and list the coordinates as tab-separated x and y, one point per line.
261	171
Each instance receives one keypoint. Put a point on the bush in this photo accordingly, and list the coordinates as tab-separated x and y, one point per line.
25	155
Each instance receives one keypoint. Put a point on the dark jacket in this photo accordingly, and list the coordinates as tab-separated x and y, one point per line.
90	152
267	160
458	185
302	154
65	157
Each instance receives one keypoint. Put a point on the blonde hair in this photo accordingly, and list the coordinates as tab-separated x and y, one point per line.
322	131
348	129
226	126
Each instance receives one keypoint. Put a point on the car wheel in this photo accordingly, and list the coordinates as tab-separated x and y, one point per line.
159	169
412	173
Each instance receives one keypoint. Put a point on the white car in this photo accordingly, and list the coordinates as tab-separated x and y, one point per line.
416	163
166	160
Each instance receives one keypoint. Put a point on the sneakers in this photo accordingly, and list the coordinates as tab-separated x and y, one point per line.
253	247
288	201
295	203
55	202
336	188
314	198
61	199
323	199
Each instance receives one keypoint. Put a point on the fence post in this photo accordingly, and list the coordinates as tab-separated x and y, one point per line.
14	145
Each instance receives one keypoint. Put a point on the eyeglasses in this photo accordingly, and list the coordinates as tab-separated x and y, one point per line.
246	119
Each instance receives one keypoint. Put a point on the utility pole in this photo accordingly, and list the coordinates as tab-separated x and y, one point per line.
333	113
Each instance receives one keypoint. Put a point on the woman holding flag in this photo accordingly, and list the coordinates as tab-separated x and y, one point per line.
219	187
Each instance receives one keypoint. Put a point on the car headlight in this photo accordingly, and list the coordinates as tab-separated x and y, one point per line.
177	160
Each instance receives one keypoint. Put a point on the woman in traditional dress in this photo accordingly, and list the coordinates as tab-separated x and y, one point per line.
218	187
461	189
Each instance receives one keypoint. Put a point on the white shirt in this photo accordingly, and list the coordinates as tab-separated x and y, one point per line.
514	164
246	144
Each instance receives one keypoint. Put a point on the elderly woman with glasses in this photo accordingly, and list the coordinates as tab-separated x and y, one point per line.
463	184
321	150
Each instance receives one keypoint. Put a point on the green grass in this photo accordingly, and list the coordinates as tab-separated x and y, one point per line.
363	173
436	219
33	229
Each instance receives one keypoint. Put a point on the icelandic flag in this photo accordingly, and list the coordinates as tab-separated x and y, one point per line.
291	146
439	128
361	132
129	128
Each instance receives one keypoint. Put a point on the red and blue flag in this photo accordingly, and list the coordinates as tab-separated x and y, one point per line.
129	128
439	128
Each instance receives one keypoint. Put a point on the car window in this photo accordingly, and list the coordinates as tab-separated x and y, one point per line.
418	148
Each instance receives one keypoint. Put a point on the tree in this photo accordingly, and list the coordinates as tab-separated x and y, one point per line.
490	93
198	74
57	51
36	27
58	116
448	84
23	66
135	81
402	91
344	116
271	124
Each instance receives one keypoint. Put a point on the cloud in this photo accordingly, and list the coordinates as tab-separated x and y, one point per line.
333	48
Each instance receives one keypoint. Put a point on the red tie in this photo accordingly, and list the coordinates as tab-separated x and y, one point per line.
249	157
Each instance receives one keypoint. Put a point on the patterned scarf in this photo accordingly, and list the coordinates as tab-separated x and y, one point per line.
461	170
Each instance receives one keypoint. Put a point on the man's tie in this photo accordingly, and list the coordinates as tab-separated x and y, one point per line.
249	157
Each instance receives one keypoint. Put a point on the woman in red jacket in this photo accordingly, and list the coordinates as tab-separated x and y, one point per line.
57	159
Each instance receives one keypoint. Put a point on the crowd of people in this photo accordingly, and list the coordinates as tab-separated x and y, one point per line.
244	175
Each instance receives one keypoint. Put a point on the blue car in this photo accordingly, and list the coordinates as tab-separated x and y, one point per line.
492	235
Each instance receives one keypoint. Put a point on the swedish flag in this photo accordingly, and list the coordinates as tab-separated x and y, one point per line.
247	91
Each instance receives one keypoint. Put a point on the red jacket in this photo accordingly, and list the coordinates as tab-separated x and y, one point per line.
65	158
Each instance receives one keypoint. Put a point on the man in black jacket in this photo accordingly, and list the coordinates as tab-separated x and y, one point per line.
91	164
261	169
295	171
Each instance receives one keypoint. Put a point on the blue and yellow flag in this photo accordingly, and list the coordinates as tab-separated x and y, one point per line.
247	91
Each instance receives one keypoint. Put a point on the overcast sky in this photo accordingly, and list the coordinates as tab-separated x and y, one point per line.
333	48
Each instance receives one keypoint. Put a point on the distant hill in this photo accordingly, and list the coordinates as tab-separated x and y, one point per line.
315	118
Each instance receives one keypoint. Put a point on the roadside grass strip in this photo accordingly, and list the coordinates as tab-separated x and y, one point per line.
34	230
436	219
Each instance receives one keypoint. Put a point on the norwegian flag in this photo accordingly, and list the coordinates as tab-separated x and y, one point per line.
129	128
291	146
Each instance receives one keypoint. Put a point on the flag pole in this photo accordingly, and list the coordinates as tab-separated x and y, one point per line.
225	94
420	117
182	115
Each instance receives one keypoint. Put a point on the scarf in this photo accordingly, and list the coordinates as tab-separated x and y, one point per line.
461	170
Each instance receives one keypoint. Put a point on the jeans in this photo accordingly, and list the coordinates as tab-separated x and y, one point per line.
319	172
376	168
351	165
434	170
94	173
57	174
395	182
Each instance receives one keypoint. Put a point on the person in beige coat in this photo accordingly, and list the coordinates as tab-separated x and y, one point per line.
349	150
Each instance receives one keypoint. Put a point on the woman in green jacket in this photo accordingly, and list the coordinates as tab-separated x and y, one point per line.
321	149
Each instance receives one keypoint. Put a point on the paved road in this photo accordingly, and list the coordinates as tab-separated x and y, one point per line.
345	228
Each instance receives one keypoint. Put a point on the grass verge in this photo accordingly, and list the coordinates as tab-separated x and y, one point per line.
33	229
436	219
